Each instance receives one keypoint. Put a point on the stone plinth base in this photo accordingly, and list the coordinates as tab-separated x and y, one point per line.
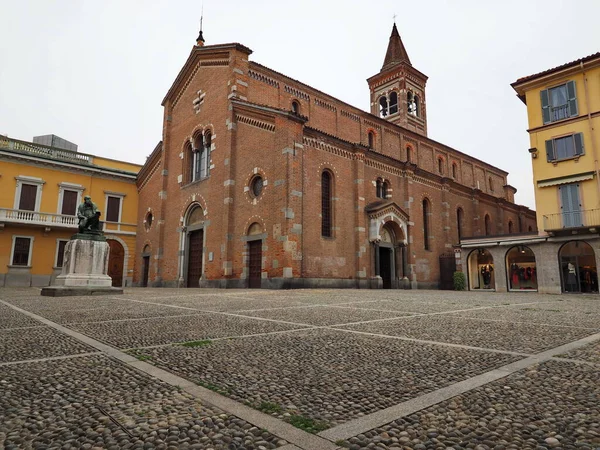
67	291
85	264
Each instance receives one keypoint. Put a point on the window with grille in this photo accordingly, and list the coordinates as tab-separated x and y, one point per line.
21	251
60	253
426	213
28	197
326	204
113	209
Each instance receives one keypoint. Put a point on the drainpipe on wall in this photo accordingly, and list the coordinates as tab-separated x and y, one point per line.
589	115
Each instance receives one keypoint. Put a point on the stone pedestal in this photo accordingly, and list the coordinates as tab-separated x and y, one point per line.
84	270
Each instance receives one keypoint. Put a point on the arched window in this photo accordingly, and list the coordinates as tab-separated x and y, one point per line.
393	102
408	154
491	183
378	187
488	225
440	166
459	222
510	227
206	155
295	107
383	106
426	225
198	152
371	139
416	107
384	190
326	213
454	171
189	161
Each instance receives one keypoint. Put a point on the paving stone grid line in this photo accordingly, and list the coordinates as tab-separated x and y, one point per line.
351	428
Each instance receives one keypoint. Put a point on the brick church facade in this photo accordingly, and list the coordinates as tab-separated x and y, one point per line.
263	181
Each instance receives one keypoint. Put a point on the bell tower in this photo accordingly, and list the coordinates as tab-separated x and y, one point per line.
398	90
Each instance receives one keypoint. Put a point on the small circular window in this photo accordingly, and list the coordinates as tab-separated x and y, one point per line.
256	186
148	221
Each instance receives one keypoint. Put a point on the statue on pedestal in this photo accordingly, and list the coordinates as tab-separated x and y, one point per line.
88	215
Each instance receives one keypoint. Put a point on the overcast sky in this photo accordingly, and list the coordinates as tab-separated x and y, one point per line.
95	72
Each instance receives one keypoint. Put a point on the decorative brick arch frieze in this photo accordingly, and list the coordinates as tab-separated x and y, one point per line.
327	166
256	218
190	202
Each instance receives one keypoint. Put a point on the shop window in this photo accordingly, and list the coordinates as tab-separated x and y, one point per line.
521	269
481	270
578	267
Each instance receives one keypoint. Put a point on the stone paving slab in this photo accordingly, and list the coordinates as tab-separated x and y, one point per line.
97	402
517	337
550	405
326	375
323	315
39	342
413	306
542	315
590	352
9	318
159	331
227	304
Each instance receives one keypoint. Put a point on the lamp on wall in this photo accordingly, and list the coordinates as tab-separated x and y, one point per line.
534	152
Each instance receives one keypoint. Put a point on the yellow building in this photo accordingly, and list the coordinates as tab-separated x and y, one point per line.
563	108
40	189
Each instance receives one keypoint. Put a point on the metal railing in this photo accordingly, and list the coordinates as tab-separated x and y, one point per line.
574	219
559	112
37	218
44	151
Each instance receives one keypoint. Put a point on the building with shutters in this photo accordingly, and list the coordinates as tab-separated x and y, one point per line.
261	180
563	110
40	189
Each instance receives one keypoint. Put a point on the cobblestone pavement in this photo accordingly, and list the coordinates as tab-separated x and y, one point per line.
319	359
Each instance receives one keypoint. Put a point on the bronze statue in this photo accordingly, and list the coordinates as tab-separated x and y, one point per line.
88	215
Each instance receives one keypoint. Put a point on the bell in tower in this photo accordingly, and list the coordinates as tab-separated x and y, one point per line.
398	90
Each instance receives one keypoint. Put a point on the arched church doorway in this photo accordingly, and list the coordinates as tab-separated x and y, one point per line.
389	255
578	267
194	246
254	256
481	270
521	269
116	259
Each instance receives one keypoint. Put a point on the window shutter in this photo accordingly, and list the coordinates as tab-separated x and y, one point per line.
578	143
112	209
572	94
28	195
545	106
549	150
69	206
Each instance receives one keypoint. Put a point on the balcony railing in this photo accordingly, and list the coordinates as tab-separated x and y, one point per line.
559	112
44	151
37	218
576	219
